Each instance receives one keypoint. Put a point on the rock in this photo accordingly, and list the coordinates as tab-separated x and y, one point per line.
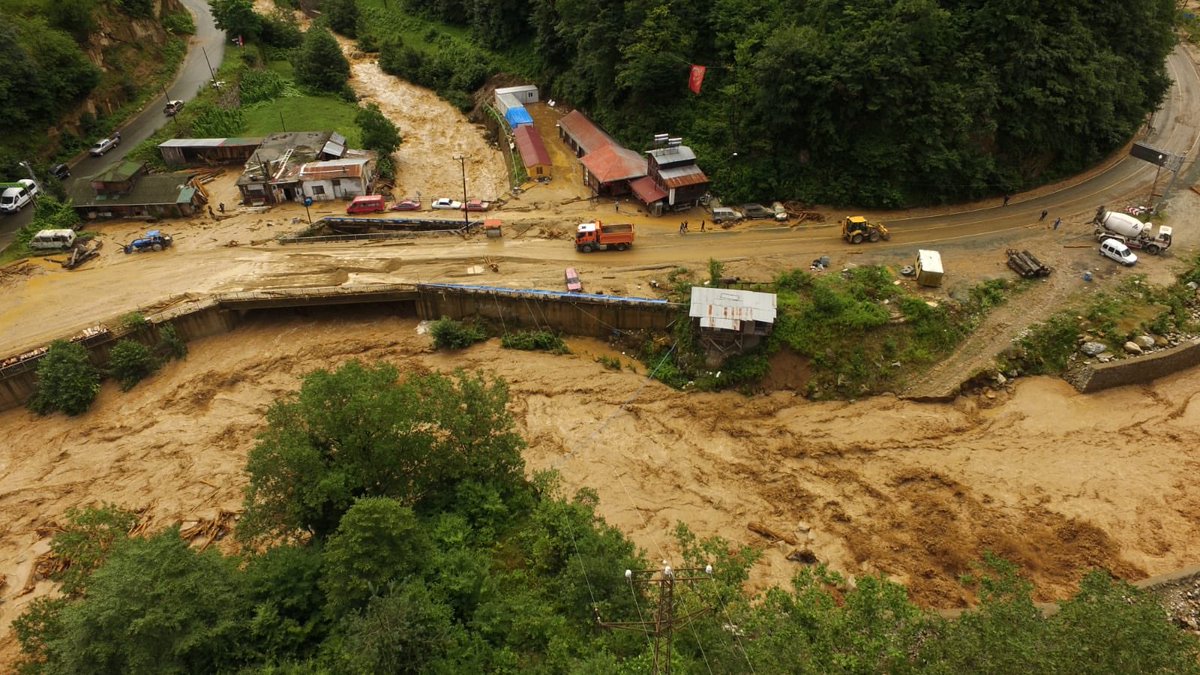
803	526
989	393
1193	285
1133	348
1144	341
1160	341
1012	374
1001	379
1093	348
804	556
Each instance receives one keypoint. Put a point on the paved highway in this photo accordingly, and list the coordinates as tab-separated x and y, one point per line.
194	75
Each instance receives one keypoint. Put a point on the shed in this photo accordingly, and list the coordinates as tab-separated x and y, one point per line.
731	319
533	152
525	93
929	268
182	151
609	170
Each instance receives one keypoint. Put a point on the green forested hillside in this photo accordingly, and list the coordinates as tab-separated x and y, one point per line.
869	101
47	48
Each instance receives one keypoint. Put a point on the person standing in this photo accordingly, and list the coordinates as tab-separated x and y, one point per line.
1045	212
701	225
1006	197
1057	222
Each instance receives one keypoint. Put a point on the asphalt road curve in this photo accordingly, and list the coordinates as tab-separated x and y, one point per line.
194	75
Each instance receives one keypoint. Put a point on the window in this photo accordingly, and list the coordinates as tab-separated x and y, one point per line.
337	183
318	190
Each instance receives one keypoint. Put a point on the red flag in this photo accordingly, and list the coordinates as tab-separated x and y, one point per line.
696	79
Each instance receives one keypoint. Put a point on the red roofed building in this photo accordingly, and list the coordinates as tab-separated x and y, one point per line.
533	151
609	170
581	134
677	182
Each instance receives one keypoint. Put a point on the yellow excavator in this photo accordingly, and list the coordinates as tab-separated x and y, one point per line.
857	228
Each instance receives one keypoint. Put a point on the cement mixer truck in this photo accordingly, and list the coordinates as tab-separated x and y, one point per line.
1131	231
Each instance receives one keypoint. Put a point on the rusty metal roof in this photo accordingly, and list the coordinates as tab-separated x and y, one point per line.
336	168
647	190
529	144
680	176
726	308
613	163
586	134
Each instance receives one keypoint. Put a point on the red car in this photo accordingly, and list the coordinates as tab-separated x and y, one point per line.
572	280
476	205
407	205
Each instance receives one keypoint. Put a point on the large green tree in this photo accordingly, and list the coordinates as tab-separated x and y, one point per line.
236	18
320	63
359	432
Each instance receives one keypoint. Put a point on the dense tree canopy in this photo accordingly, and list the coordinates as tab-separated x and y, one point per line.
320	63
463	566
876	101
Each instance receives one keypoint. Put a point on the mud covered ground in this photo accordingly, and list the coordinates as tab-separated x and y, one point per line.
1053	480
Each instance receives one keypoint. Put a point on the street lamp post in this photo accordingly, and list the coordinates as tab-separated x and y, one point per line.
37	186
466	214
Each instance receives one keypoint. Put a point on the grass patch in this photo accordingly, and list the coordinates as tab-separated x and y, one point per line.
861	333
303	113
535	340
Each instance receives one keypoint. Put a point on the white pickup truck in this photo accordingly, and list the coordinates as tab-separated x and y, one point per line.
105	144
15	196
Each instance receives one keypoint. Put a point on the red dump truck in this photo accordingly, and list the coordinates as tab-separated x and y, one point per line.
598	236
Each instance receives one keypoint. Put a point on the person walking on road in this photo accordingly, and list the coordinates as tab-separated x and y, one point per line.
1057	222
682	227
701	225
1006	197
1045	212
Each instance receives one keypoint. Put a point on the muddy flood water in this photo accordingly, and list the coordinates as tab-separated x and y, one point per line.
1054	480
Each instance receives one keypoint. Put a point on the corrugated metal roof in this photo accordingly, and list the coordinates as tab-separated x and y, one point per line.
194	143
529	144
647	190
612	163
337	138
682	175
334	168
334	149
512	90
587	135
667	156
726	308
930	261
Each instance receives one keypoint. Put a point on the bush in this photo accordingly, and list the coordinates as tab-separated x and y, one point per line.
261	85
66	380
535	340
450	334
130	362
133	321
179	23
170	341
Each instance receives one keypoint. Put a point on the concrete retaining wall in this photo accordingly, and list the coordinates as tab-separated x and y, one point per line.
570	313
574	314
1137	370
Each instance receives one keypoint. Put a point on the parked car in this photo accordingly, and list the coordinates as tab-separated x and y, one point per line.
723	214
757	211
574	285
60	171
18	195
367	204
1117	250
477	205
407	205
172	107
105	144
446	203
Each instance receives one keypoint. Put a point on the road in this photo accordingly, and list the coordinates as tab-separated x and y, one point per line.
192	76
37	310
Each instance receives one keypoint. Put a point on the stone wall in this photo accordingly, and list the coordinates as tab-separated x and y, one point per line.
1137	370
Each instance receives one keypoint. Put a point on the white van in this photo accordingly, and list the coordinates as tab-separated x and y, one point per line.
1111	248
52	240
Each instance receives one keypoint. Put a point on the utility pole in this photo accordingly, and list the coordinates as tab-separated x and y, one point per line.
466	214
662	625
210	70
